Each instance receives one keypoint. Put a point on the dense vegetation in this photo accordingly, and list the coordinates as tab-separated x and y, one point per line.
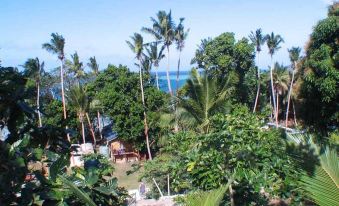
223	137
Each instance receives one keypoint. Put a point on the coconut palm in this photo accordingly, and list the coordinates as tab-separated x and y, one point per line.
56	46
163	30
137	46
75	66
78	99
204	96
281	80
93	65
294	54
34	69
155	57
273	43
258	39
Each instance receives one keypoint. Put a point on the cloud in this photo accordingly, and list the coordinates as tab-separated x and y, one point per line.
328	2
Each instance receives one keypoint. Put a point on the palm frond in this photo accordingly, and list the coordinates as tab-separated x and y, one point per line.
77	191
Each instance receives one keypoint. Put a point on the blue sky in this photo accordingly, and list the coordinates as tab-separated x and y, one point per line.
101	27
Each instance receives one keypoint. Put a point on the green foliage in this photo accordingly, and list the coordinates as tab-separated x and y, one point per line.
320	76
118	91
323	185
224	57
203	96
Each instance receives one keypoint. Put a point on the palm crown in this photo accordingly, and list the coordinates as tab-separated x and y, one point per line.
163	28
154	55
137	45
93	65
76	66
273	43
180	35
56	45
33	68
257	39
294	54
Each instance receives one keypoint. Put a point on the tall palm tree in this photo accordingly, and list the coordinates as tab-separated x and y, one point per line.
163	30
281	80
137	46
180	37
75	66
56	46
294	54
94	66
273	43
78	99
155	57
34	69
258	39
204	96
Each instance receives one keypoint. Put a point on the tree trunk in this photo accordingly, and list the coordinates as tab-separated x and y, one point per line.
145	117
63	96
167	73
99	125
277	111
258	89
272	88
83	129
62	88
176	126
289	96
295	117
38	103
91	128
157	77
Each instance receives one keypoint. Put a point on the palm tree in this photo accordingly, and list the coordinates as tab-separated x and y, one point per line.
78	99
155	57
93	65
34	69
204	96
180	37
258	39
76	67
294	54
137	46
163	30
281	80
273	41
56	46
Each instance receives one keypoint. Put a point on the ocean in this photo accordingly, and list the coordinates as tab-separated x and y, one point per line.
184	75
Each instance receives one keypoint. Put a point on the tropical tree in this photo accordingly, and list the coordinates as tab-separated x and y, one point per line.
34	69
273	43
294	54
258	39
137	46
281	80
180	37
203	97
76	67
78	99
155	55
93	65
56	46
163	30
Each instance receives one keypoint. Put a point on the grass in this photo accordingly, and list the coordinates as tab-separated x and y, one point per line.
130	181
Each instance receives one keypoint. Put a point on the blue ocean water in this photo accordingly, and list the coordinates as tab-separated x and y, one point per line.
183	76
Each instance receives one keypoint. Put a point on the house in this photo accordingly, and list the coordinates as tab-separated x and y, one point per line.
120	151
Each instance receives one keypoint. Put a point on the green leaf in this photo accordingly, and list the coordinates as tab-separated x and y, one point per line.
323	186
77	191
57	167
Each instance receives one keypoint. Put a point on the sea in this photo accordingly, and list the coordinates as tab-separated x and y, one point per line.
183	76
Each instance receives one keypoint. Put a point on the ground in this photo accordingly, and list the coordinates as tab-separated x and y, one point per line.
127	181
